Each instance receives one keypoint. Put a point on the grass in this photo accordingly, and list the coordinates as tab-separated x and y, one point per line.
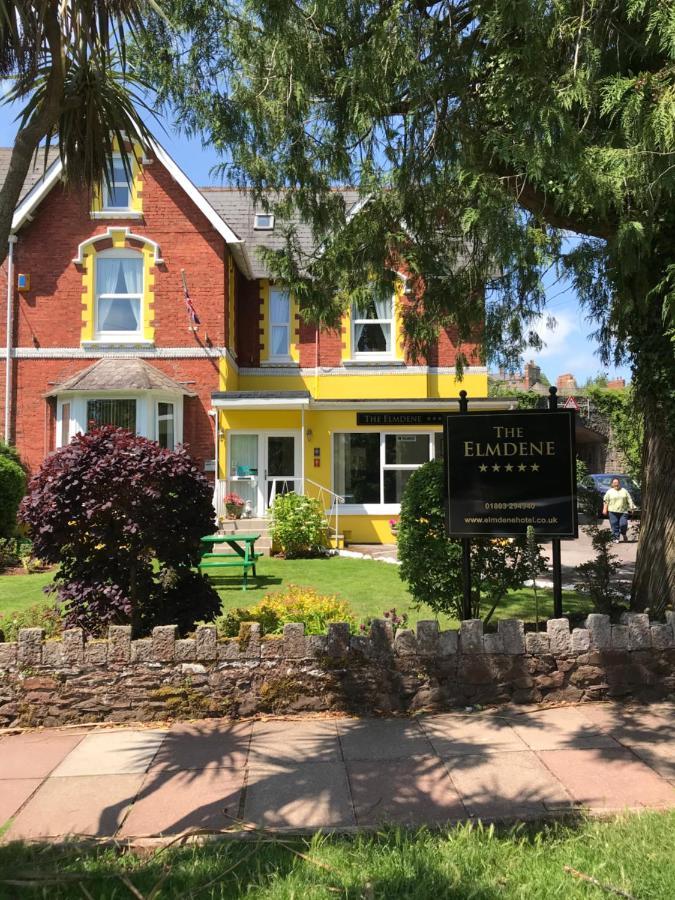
632	854
370	587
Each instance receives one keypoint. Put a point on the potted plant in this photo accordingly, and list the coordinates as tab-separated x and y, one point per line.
234	506
393	525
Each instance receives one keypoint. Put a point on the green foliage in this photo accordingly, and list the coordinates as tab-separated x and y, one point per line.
497	126
295	604
299	525
431	563
597	577
524	399
12	490
48	618
626	418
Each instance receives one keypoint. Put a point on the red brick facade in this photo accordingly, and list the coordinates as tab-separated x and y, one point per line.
48	318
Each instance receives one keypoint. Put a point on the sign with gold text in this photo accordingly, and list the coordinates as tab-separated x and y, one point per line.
507	471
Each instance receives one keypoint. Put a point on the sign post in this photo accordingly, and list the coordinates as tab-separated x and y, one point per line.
507	471
555	543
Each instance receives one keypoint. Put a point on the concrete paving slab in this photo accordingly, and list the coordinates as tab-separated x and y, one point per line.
204	745
13	794
451	735
285	741
384	739
176	802
89	806
560	728
112	753
34	754
508	784
407	792
631	724
305	795
608	779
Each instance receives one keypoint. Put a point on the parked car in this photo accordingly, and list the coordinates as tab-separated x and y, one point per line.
603	482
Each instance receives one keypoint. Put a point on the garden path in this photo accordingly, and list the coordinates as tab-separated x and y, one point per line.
336	773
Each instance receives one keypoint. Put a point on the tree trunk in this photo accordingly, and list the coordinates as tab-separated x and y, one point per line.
654	582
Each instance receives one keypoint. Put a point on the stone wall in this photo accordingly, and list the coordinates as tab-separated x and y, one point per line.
119	680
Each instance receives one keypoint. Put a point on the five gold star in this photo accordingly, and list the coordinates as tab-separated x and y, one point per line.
508	468
496	468
522	467
534	467
483	468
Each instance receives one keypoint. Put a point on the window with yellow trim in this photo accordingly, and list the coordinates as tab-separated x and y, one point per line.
117	192
373	328
118	310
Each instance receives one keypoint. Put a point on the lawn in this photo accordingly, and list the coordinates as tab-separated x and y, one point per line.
370	587
631	856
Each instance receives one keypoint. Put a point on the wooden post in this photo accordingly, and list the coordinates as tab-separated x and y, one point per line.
555	543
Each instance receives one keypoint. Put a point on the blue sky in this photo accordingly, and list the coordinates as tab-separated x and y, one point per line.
568	346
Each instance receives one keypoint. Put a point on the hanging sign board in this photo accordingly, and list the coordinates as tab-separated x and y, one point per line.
507	471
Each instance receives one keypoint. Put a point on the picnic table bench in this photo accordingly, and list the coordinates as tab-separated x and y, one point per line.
244	555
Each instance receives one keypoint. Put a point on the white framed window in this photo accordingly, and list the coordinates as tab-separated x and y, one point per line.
263	222
117	193
120	412
280	324
372	468
119	295
166	425
373	329
65	424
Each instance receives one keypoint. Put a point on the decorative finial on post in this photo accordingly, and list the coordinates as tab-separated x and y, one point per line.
463	402
553	397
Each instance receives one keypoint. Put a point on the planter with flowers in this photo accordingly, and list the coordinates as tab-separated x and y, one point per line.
393	525
234	506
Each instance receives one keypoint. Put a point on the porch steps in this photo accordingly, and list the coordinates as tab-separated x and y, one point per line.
261	527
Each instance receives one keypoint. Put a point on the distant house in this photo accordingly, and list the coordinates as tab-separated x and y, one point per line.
145	306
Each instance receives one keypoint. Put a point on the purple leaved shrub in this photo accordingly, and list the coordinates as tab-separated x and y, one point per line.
123	519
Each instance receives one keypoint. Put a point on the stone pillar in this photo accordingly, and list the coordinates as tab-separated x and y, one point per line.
30	646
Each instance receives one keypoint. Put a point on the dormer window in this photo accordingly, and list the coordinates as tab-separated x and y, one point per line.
263	222
117	193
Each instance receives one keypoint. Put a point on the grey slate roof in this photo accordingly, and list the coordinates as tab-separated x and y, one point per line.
35	172
120	375
233	205
238	210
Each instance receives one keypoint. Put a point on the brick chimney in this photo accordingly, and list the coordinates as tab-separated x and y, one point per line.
532	374
566	383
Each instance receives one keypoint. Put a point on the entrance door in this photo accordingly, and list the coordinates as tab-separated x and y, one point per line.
281	470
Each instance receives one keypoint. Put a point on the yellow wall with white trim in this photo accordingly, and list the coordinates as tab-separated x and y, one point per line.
375	385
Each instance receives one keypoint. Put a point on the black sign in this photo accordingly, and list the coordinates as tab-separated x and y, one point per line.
404	418
507	471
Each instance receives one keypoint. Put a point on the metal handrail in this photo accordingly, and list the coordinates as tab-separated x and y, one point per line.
334	509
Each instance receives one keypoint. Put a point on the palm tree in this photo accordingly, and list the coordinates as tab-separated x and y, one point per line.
67	61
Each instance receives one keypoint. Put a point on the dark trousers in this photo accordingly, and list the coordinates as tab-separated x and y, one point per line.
618	522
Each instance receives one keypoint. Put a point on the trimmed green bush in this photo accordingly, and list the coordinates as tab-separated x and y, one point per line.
47	617
299	526
295	604
12	489
431	563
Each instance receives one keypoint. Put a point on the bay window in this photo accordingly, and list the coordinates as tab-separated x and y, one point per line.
109	411
166	425
119	294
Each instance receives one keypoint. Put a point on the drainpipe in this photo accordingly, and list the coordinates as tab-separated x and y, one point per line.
8	349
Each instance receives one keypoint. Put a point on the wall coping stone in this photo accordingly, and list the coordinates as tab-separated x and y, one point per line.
634	633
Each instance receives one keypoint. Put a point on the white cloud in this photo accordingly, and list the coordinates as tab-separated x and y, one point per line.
562	338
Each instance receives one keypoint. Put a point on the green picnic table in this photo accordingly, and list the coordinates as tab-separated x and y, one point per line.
243	555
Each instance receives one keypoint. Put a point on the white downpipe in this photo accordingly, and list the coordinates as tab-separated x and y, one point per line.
10	325
302	450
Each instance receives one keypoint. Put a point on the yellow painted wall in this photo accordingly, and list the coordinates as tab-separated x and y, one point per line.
89	287
373	386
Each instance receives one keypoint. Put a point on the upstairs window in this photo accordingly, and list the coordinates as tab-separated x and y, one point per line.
280	324
373	328
117	193
119	294
263	222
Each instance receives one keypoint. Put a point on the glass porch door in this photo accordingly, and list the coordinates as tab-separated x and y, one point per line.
280	468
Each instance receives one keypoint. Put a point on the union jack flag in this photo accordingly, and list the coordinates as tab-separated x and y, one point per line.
192	312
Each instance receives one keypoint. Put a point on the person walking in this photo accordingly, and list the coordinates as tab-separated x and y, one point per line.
618	503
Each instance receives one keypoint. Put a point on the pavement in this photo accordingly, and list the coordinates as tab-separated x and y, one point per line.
303	774
572	554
